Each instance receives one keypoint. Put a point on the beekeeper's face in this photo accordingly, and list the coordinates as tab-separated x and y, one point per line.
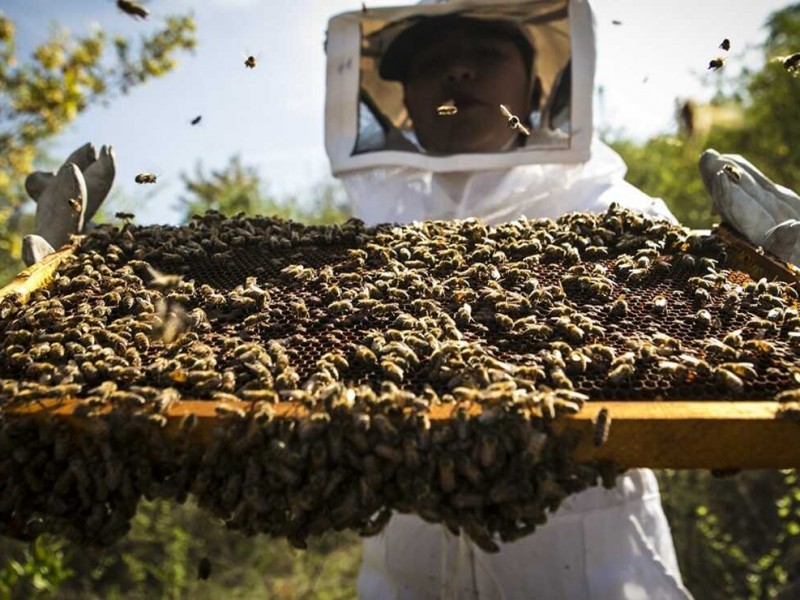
478	70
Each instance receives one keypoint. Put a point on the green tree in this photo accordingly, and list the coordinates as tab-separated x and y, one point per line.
64	76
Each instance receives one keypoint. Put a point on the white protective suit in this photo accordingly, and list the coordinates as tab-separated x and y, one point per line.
600	544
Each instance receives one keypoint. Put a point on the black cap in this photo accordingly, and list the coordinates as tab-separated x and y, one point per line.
397	58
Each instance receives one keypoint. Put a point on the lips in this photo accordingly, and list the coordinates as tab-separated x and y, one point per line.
463	101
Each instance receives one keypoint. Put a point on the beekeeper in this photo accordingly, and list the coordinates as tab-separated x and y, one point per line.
414	130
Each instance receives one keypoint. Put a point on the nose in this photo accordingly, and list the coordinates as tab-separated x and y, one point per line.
459	72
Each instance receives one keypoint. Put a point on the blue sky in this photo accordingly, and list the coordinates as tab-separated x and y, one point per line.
273	116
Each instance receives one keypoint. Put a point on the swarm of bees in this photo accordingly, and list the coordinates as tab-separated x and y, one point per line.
145	178
367	331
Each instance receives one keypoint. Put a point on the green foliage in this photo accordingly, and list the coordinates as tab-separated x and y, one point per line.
37	571
736	538
42	94
159	556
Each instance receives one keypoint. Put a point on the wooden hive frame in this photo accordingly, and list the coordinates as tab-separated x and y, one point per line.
656	434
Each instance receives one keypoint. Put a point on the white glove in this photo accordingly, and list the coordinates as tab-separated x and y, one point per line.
68	199
765	213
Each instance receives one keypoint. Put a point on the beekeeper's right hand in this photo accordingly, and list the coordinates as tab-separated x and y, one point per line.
68	199
765	213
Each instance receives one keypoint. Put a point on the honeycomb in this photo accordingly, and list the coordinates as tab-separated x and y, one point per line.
365	331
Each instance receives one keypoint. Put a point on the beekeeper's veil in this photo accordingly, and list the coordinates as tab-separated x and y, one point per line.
370	138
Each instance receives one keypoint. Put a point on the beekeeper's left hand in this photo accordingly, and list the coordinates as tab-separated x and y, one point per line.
68	199
765	213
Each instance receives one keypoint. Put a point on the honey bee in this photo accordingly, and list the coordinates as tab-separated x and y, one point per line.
145	178
788	396
660	304
513	120
196	120
758	348
717	63
703	318
133	9
732	381
619	308
725	45
447	109
791	63
204	568
250	62
620	373
733	339
602	426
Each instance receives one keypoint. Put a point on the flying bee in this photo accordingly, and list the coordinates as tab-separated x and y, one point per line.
602	426
447	109
133	9
513	120
250	62
196	120
204	568
725	45
717	63
791	63
145	178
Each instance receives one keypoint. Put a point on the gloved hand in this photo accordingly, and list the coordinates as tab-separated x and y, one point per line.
765	213
68	199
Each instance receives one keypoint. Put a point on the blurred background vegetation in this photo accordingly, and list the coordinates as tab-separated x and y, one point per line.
737	538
